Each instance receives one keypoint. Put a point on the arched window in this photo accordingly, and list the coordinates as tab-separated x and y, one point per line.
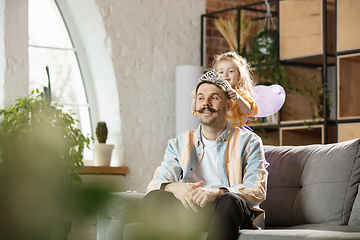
50	44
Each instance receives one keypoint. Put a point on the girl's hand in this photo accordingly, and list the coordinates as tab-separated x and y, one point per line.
233	94
244	105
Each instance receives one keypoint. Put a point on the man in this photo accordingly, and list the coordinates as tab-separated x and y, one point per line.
212	179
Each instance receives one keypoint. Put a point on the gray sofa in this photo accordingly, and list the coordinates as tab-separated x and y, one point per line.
313	193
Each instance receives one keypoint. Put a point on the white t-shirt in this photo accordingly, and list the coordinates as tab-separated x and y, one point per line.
207	169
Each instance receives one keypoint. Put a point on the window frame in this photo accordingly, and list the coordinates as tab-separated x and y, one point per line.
81	58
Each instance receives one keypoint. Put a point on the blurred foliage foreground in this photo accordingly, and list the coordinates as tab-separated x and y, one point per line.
41	156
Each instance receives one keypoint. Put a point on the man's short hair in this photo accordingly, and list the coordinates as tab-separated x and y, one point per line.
221	87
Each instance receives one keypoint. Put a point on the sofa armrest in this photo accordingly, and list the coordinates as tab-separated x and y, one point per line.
123	208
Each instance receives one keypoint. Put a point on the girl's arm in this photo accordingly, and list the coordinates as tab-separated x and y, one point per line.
244	105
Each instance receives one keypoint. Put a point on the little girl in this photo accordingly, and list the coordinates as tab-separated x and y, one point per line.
234	69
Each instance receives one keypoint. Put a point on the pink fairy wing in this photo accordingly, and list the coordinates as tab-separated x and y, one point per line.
269	99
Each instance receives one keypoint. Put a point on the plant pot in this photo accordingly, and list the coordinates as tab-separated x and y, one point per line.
102	154
265	44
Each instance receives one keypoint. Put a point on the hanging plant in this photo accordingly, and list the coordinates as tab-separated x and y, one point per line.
264	56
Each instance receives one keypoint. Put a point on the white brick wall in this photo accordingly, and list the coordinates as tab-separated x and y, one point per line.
149	39
14	67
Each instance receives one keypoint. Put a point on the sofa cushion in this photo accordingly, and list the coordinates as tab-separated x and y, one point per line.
355	212
307	231
123	208
133	231
328	227
311	184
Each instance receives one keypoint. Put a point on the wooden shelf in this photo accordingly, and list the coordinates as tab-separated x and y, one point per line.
348	131
262	122
348	20
298	107
348	86
269	137
301	135
302	122
311	60
302	28
104	170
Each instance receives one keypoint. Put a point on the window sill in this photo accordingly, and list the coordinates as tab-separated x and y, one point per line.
97	170
104	170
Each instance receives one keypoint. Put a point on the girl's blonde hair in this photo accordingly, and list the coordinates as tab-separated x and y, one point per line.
246	81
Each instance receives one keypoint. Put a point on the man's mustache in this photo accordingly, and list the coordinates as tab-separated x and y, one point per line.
212	110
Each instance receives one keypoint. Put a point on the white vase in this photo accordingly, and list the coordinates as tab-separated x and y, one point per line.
102	154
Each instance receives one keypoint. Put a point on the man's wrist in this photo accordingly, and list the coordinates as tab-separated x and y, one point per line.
164	186
222	191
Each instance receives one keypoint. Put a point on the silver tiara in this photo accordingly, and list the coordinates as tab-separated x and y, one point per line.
213	76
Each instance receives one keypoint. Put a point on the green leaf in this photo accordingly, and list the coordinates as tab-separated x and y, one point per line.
48	133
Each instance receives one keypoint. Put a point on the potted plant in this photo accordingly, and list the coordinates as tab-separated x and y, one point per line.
102	151
31	123
41	156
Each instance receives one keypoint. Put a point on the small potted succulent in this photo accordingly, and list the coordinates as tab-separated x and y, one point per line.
102	151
